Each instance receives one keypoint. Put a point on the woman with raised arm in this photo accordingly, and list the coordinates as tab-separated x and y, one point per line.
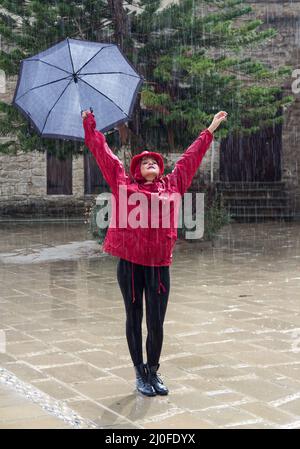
144	249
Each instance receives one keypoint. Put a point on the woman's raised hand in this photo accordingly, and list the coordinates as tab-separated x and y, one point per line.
84	114
217	120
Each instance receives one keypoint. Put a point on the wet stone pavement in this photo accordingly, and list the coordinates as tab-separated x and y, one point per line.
231	355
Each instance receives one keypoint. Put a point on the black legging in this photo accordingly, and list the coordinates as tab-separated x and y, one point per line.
133	279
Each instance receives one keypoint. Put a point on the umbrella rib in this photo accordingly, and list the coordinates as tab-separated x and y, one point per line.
55	104
70	55
48	63
41	85
109	73
108	46
105	97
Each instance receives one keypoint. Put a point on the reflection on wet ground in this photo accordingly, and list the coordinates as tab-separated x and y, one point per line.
231	355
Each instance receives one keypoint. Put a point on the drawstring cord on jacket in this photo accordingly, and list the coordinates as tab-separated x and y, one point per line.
160	284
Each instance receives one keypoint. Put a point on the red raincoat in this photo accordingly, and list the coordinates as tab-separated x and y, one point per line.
144	245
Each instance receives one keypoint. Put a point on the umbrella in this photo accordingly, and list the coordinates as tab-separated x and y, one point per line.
54	86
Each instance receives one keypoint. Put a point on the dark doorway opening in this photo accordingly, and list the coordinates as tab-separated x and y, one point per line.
253	158
59	175
93	179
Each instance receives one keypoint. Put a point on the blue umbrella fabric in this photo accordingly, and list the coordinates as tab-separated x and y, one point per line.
54	86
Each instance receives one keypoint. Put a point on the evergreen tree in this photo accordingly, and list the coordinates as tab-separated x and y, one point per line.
191	55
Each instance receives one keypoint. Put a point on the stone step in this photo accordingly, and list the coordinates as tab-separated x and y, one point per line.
252	189
255	198
247	202
240	186
261	218
259	210
278	193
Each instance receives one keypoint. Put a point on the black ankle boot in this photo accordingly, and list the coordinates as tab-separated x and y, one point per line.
142	383
156	381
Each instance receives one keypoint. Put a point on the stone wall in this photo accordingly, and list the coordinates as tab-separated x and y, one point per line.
22	175
210	163
23	188
284	49
78	176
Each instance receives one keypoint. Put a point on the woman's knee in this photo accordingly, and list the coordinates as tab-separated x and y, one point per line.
155	326
134	314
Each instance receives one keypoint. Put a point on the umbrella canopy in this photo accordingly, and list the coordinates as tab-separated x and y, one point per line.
55	85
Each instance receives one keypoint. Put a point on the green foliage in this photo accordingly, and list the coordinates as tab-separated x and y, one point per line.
191	55
216	216
175	52
30	27
152	99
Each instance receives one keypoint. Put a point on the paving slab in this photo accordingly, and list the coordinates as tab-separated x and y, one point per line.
231	343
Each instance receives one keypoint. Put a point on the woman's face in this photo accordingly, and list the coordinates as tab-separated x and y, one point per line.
149	168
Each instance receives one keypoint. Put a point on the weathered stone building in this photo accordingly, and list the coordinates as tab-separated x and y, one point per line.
27	184
284	49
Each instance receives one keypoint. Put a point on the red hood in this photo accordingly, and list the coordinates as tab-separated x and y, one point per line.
135	166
